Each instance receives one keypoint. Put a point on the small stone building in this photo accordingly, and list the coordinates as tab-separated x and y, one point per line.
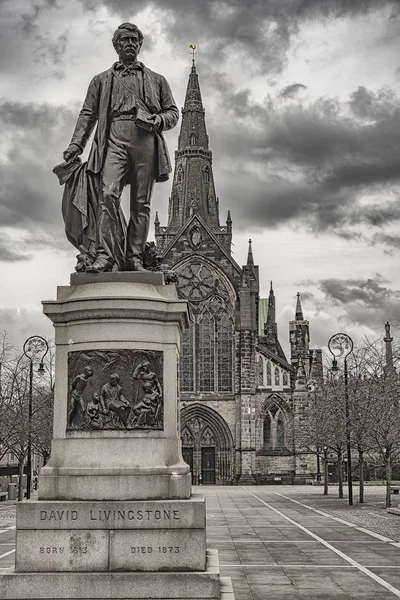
240	397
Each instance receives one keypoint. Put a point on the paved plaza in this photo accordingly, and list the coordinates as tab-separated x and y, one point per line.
291	542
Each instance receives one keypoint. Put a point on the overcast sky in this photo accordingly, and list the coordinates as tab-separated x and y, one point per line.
302	102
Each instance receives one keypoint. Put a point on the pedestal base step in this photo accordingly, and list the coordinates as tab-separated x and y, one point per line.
116	586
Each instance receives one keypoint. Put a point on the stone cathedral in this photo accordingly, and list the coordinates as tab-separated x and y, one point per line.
241	399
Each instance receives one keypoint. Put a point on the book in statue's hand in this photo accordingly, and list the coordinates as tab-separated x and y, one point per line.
144	119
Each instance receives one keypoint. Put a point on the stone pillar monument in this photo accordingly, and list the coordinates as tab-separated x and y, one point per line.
115	518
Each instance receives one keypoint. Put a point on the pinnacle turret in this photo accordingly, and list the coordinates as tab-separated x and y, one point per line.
299	336
389	351
271	322
250	259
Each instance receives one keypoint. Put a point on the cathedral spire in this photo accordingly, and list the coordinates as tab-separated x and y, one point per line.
299	310
193	190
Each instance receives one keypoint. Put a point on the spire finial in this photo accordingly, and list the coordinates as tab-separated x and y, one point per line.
271	288
193	53
299	310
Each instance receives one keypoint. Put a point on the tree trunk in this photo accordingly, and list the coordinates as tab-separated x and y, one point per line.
21	480
340	473
326	475
361	466
388	478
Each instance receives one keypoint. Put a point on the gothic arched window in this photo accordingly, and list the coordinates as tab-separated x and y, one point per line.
179	176
207	352
186	370
276	376
280	431
274	428
187	438
224	335
192	139
267	431
285	378
269	374
207	174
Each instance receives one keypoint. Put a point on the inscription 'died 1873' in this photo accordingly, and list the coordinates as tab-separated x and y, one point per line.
115	389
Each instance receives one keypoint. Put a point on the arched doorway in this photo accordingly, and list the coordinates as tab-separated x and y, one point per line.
207	445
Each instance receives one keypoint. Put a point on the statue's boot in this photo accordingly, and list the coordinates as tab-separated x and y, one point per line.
100	265
135	264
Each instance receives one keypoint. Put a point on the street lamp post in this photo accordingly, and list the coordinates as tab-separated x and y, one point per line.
34	347
340	346
326	470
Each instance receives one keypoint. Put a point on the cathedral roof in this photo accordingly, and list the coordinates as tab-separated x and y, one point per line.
274	357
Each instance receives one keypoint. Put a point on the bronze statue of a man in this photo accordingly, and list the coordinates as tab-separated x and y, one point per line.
132	106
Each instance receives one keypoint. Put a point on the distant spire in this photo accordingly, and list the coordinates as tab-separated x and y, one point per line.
229	218
271	309
250	259
156	224
389	352
299	310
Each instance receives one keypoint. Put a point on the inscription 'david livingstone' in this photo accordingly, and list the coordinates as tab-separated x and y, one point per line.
115	389
112	515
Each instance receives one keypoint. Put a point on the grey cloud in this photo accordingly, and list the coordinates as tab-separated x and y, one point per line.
310	161
261	29
365	302
391	241
368	292
29	19
290	91
367	104
8	254
23	322
23	41
34	136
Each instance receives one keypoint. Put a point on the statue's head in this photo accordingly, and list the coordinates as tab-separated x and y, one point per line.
88	371
127	41
114	378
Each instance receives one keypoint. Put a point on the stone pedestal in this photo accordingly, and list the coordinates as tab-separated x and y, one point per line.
115	517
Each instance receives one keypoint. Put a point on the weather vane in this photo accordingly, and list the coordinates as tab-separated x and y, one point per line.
193	51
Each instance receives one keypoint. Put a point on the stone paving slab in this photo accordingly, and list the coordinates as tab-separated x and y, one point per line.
270	557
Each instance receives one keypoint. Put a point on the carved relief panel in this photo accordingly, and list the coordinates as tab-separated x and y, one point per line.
115	389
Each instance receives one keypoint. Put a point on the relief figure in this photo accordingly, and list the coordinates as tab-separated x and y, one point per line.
78	386
113	402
